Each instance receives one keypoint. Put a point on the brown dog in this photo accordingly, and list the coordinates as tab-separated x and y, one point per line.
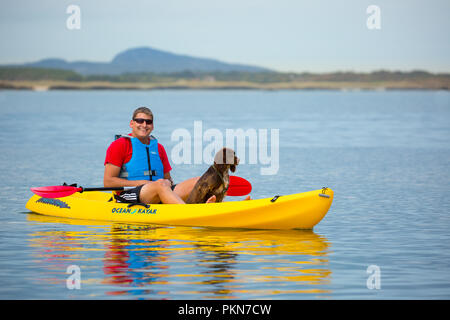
216	179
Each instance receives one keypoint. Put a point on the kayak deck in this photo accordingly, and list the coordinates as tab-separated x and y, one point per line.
296	211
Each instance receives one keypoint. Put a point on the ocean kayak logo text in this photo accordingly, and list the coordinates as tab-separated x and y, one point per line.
258	146
133	211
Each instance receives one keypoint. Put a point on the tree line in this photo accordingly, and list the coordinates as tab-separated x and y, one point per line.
39	74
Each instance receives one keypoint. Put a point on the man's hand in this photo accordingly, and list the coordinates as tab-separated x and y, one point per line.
168	177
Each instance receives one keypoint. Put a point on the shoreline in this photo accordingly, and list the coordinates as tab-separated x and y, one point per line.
222	85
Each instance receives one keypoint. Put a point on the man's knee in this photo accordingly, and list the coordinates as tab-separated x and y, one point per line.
150	191
163	183
157	185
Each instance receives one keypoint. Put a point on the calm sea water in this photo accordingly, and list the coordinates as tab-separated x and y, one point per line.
385	154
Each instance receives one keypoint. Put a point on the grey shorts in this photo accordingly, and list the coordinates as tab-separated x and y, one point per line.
132	195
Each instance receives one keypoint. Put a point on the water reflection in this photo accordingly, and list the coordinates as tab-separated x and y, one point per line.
156	262
217	266
133	262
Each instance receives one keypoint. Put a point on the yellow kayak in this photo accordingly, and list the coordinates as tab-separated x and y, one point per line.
296	211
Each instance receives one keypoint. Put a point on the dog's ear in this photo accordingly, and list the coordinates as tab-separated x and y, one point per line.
235	163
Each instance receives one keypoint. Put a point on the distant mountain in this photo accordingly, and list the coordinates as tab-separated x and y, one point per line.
145	60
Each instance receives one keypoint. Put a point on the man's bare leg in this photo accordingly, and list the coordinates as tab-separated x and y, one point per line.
159	191
183	189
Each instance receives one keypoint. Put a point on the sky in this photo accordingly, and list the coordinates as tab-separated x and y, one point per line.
282	35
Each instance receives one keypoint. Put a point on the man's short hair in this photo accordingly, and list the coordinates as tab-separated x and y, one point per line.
144	110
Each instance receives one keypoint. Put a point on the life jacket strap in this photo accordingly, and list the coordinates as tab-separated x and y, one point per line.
124	174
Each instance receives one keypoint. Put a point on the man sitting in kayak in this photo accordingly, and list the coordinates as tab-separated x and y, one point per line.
139	161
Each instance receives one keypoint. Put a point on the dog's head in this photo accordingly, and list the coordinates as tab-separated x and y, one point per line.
228	157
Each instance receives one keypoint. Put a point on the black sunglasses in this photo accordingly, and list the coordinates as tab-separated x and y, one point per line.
141	121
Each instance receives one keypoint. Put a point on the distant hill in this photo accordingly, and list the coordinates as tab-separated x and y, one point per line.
144	60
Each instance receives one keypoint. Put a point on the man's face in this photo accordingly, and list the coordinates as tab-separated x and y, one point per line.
141	130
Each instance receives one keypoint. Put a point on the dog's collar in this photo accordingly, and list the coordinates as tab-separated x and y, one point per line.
220	176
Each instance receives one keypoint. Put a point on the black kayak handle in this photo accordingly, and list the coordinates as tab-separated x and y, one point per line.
146	206
275	198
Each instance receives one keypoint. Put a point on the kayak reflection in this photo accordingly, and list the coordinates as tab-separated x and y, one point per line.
145	261
134	263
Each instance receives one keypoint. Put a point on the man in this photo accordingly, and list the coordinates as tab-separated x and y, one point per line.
139	161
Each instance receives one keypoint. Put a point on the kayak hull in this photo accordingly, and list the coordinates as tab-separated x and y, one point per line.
296	211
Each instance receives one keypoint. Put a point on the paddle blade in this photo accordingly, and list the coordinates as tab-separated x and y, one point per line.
55	191
238	187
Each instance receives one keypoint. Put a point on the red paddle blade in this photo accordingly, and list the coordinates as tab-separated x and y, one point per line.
55	191
238	186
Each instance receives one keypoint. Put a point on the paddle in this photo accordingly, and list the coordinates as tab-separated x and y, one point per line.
238	187
65	191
